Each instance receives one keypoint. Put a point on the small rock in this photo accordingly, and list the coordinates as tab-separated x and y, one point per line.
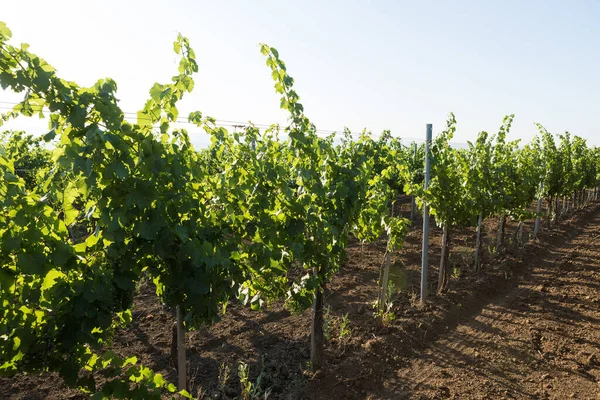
444	391
592	360
368	345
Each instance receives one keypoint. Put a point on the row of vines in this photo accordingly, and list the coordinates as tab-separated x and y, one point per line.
253	217
493	177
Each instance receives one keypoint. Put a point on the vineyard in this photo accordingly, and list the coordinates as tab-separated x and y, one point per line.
134	266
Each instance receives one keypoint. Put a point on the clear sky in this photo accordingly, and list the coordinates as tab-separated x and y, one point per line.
378	65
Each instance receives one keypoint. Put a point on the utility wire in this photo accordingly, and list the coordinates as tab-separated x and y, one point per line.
132	116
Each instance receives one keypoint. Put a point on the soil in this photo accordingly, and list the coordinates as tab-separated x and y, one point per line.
526	327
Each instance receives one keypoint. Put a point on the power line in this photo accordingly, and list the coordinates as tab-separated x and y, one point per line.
181	120
132	116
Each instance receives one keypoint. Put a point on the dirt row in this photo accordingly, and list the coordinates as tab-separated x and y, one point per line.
526	327
539	340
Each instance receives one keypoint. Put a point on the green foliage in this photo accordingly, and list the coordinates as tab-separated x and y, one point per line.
336	192
344	327
137	189
224	374
448	201
253	217
232	221
28	154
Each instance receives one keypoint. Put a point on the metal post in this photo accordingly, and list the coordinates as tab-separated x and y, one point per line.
478	243
425	248
536	228
181	364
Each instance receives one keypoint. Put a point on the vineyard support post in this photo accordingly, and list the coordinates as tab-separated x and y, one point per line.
316	329
501	223
444	267
520	234
587	197
425	247
384	282
478	243
182	375
413	205
385	275
536	228
549	213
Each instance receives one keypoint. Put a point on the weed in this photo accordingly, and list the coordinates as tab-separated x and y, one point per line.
467	257
388	315
456	272
344	329
252	390
491	250
224	373
243	374
413	299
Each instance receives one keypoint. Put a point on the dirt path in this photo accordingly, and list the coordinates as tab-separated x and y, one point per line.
527	328
540	340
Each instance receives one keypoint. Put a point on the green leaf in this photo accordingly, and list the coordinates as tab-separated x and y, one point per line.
121	171
171	387
4	31
61	254
50	135
182	233
31	263
143	119
51	277
71	214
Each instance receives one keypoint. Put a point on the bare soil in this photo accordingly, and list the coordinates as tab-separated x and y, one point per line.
526	327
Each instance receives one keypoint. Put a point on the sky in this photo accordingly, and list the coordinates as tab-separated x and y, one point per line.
377	65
